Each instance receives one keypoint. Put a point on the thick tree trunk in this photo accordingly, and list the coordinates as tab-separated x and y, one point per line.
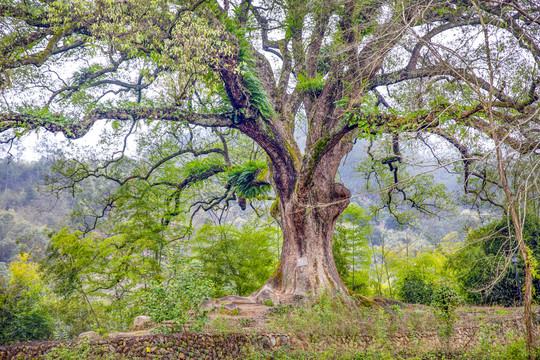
308	218
307	262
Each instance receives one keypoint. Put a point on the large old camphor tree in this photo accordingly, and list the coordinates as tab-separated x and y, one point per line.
342	68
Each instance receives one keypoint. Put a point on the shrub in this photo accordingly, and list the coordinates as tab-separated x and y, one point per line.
444	302
415	289
481	264
238	260
178	298
23	314
22	317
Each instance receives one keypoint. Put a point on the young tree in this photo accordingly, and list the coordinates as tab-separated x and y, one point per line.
237	260
351	249
262	66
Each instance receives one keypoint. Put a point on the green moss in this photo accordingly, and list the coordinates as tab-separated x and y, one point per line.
320	145
261	175
294	156
275	209
364	301
317	149
258	97
235	312
278	273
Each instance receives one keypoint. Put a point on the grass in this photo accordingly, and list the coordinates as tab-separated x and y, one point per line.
330	328
331	317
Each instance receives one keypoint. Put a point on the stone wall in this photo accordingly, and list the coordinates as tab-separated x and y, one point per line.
163	346
219	346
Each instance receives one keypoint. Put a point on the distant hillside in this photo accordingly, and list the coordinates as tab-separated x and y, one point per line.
19	193
25	212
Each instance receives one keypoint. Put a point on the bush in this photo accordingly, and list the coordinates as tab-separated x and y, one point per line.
178	298
444	301
238	260
415	290
481	264
23	314
22	317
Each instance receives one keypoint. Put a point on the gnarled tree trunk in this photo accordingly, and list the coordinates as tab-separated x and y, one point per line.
308	218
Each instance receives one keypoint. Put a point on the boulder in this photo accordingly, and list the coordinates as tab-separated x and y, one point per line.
90	335
142	323
267	297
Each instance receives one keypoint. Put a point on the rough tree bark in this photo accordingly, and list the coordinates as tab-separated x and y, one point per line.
308	218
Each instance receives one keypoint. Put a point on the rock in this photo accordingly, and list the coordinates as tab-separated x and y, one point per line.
207	305
230	309
141	323
237	300
268	297
91	335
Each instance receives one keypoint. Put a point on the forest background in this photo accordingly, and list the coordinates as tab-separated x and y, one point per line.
46	245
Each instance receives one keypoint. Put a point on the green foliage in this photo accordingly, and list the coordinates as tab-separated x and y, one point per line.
24	315
350	247
8	244
17	236
199	166
416	289
178	297
401	191
333	353
73	315
485	273
514	349
328	314
238	260
313	86
79	351
244	179
409	269
444	302
248	70
258	96
110	271
43	115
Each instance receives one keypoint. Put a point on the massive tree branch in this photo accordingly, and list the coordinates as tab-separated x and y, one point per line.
77	129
